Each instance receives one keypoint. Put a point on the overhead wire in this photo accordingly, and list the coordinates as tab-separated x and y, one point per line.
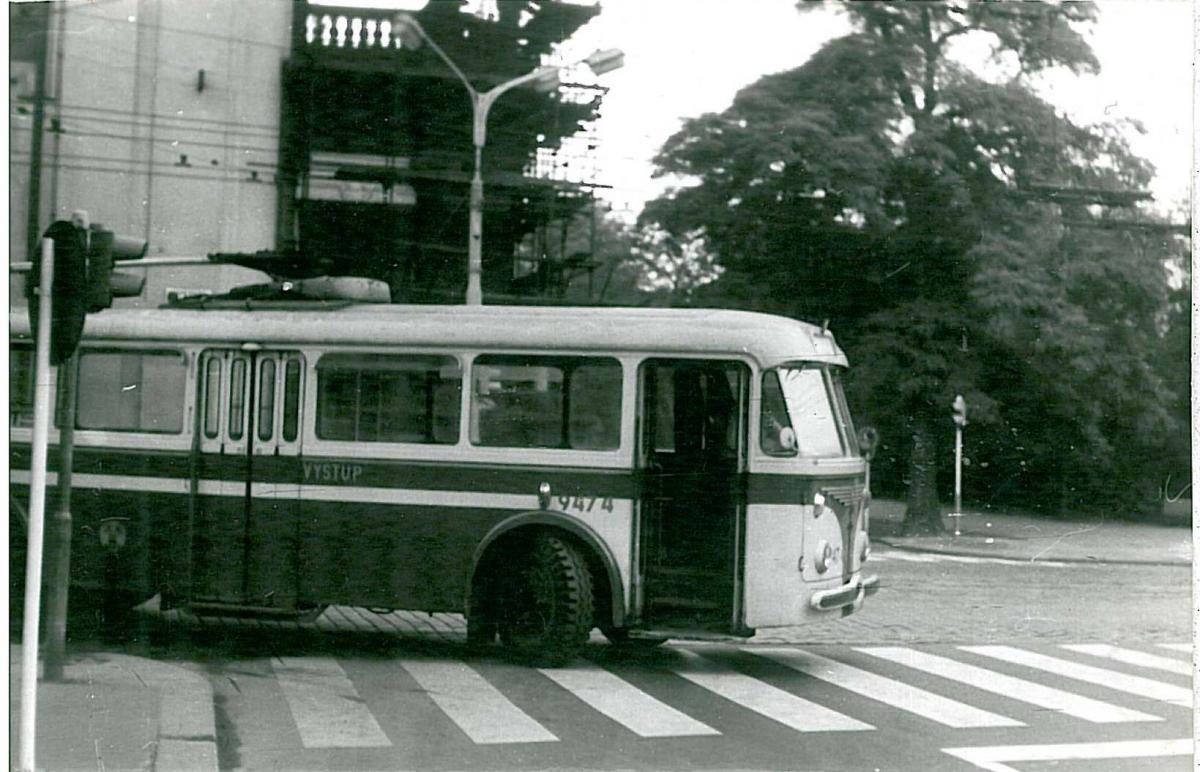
116	170
174	143
184	31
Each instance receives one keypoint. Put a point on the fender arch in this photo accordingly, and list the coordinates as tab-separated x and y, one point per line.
581	531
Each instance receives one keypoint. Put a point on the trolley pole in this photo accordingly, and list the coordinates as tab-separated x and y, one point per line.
37	512
59	541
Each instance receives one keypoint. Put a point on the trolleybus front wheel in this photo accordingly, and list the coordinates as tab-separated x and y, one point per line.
546	606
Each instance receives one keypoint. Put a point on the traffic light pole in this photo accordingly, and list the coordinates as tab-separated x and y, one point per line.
957	480
37	512
960	420
59	541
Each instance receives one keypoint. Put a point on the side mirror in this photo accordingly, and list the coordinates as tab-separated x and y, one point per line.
868	440
787	438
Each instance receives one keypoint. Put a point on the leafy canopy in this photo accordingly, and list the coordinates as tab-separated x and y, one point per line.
932	211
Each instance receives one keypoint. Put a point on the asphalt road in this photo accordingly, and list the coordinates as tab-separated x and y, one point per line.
952	665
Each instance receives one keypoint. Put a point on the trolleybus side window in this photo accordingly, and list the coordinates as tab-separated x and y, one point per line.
20	386
266	399
132	391
388	398
546	402
212	406
291	400
237	398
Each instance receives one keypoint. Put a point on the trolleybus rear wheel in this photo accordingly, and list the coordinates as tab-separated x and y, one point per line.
546	607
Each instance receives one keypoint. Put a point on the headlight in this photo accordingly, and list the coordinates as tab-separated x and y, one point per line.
824	556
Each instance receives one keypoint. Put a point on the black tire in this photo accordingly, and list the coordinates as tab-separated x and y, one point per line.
619	637
545	609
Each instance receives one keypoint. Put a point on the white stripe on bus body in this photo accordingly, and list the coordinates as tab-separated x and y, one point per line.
614	527
325	706
1122	682
415	496
763	698
1008	686
473	704
121	482
341	493
624	703
890	692
1131	657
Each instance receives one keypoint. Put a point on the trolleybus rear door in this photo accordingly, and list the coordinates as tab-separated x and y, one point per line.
692	459
247	482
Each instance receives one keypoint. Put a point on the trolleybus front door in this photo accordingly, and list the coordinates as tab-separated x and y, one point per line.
246	485
693	461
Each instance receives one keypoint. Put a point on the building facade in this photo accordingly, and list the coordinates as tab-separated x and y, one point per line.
301	129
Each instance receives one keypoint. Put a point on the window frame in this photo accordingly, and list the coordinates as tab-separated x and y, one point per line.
185	396
561	360
835	409
313	423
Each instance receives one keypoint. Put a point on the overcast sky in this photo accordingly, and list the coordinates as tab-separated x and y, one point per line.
687	57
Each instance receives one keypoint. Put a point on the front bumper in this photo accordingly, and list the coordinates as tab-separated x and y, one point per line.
848	594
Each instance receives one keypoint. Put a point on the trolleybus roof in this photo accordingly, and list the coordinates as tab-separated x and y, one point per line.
769	340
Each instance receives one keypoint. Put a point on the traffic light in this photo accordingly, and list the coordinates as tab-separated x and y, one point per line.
84	280
68	293
104	284
960	411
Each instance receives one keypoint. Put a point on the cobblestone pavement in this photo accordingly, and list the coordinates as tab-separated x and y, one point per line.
931	600
946	601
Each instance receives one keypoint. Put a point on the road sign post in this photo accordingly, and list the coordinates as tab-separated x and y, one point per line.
960	420
37	512
59	535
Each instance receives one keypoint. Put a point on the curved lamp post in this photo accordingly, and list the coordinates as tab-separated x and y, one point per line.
543	79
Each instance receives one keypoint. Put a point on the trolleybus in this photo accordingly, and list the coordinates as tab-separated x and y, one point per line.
655	473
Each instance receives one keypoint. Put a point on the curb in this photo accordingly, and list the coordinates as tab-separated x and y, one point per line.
187	737
187	734
1033	561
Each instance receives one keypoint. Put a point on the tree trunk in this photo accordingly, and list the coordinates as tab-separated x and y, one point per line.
924	513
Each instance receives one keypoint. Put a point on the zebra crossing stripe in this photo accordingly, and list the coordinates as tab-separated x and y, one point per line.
625	703
471	702
762	698
1008	686
894	693
1186	648
1131	657
912	557
325	706
997	758
1122	682
940	557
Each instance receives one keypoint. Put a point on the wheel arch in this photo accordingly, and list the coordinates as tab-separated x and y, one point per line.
596	552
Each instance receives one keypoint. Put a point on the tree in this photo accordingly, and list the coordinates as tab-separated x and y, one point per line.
886	186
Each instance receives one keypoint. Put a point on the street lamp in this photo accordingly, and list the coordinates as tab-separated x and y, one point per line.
543	79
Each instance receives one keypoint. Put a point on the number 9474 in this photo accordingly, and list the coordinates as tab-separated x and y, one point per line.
585	503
